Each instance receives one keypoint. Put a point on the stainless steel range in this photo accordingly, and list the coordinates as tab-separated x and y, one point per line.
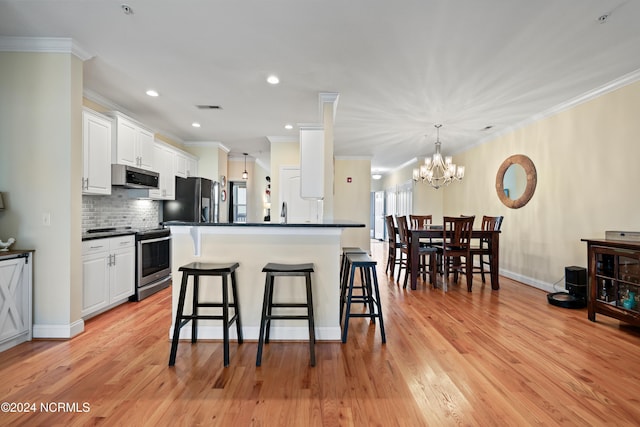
153	261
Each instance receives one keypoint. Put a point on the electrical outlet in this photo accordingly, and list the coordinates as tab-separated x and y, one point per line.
46	219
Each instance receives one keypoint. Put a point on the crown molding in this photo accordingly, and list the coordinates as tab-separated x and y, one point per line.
212	144
280	139
353	157
44	45
310	126
328	97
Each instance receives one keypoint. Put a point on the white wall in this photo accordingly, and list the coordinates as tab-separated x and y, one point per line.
40	172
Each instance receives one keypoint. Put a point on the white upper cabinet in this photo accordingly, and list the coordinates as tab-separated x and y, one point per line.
96	153
165	165
132	143
186	166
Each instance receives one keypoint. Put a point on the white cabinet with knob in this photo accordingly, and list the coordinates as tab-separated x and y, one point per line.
132	143
96	153
108	273
16	270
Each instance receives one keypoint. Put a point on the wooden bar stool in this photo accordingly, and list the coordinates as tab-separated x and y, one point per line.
344	272
273	270
371	297
197	269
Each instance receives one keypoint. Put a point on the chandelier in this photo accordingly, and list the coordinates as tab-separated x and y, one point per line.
436	171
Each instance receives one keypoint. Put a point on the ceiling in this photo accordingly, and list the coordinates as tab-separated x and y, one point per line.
399	67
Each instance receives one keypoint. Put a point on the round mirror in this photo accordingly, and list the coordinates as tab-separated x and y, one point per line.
516	181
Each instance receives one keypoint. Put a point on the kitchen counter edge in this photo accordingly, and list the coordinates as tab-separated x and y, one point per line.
107	234
325	224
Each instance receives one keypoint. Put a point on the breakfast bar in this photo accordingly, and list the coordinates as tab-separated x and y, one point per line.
253	245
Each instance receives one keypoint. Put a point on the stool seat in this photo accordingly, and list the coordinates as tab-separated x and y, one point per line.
195	270
273	267
206	268
273	270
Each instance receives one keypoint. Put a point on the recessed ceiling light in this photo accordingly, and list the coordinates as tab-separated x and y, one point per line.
288	126
195	124
273	79
376	176
153	93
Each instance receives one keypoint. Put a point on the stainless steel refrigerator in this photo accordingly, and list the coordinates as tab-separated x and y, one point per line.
197	200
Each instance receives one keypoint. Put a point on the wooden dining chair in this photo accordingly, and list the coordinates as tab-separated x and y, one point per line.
456	244
393	243
420	221
424	250
484	246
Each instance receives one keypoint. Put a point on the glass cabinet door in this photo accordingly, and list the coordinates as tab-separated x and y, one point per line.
618	278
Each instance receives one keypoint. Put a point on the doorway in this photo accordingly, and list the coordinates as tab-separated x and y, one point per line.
238	201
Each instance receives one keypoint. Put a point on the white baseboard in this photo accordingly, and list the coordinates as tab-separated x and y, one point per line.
282	333
58	331
548	287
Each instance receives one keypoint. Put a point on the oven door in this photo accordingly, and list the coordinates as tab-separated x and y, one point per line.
154	260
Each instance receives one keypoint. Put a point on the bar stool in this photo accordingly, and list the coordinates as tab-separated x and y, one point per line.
371	297
273	270
197	269
344	273
344	268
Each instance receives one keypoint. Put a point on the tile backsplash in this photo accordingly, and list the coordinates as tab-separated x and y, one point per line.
118	210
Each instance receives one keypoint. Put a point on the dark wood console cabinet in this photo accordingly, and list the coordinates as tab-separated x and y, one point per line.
614	279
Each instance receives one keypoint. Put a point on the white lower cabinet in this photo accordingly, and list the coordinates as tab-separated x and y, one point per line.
108	273
15	299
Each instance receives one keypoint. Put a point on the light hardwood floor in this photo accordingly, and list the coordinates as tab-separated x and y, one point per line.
483	358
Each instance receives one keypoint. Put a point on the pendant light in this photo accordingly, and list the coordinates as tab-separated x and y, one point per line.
245	174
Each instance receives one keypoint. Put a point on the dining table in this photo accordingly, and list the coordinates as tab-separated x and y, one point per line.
492	237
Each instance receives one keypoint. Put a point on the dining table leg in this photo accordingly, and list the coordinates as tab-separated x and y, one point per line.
495	258
413	245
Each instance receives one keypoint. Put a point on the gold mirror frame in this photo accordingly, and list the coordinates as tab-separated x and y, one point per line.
532	179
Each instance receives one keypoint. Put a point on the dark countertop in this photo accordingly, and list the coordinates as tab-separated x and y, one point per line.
324	224
107	234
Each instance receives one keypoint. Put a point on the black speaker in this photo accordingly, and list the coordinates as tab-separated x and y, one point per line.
576	280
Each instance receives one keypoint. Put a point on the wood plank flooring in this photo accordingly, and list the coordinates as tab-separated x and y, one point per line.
483	358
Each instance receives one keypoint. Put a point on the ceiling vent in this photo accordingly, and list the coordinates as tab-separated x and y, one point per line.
209	107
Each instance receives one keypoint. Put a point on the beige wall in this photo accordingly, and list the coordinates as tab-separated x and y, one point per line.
586	160
352	200
208	156
40	172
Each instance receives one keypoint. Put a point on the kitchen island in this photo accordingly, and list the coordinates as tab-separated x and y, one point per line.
253	245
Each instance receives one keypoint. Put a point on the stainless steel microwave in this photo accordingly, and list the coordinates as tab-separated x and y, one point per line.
132	177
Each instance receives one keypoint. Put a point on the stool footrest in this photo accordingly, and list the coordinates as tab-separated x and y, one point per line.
287	317
291	305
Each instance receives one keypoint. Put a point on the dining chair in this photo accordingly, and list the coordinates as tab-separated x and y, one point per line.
484	247
456	244
393	243
424	250
420	221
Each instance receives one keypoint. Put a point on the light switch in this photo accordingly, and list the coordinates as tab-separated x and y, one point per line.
46	219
